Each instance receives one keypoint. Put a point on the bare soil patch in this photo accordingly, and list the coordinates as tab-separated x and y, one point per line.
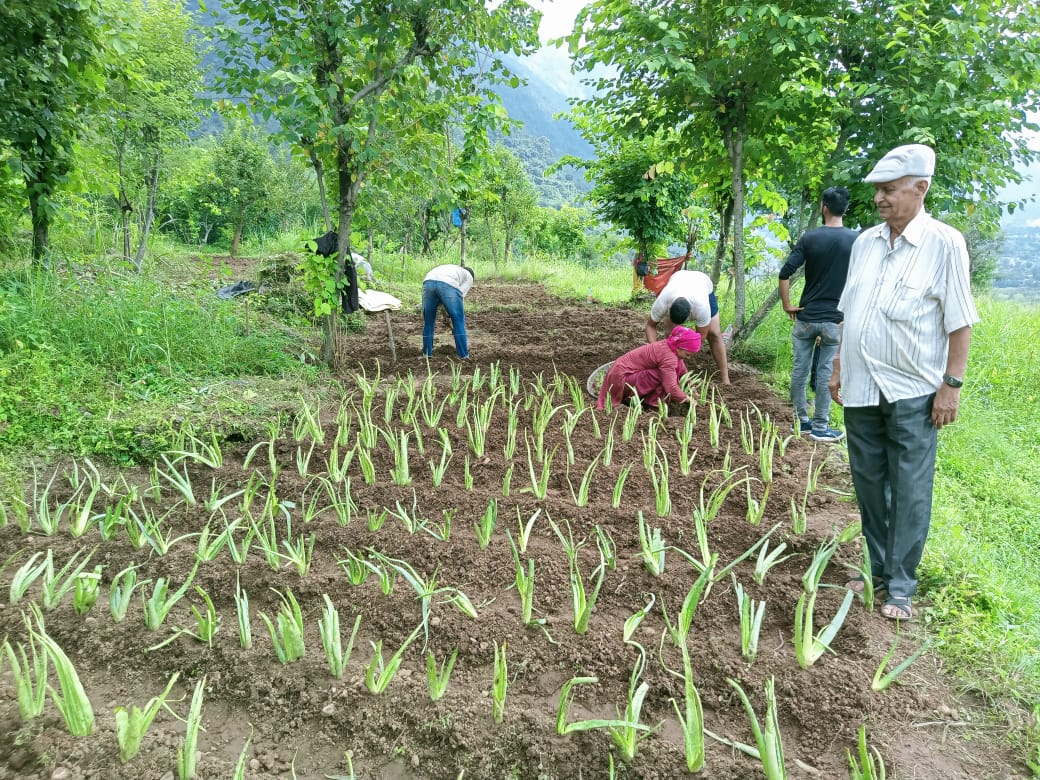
301	720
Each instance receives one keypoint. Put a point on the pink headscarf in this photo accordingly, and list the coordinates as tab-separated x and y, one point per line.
684	338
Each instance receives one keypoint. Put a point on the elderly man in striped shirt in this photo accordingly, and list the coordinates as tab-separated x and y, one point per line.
904	349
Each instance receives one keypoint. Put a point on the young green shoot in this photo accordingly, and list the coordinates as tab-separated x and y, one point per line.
751	614
132	724
437	470
581	496
583	595
188	753
652	547
332	641
767	559
72	701
870	765
56	584
523	535
799	517
485	526
299	552
399	448
245	625
354	567
499	684
29	672
866	576
368	468
379	673
607	546
512	423
121	591
287	635
207	621
628	736
691	718
178	479
628	426
524	579
681	629
540	481
756	508
636	618
26	575
563	711
767	737
659	479
87	590
619	485
608	444
437	679
814	574
808	647
158	605
883	679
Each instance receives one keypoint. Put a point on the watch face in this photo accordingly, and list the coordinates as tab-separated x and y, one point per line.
952	381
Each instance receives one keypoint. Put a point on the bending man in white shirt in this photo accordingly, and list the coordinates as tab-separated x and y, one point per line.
690	296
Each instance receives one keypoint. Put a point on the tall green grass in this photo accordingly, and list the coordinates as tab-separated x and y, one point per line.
93	363
982	565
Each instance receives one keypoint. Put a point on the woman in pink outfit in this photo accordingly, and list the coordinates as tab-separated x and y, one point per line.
652	371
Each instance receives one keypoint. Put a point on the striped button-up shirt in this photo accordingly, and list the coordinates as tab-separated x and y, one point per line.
901	304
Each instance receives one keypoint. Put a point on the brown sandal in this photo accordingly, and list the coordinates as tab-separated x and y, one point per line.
857	584
898	608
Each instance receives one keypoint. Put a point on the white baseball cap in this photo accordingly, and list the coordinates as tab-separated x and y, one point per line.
908	160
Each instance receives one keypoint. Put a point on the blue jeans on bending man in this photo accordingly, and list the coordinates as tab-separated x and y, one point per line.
434	295
803	339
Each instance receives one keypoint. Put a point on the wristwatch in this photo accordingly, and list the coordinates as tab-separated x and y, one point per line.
952	381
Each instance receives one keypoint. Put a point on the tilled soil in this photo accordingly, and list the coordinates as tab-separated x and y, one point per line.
301	721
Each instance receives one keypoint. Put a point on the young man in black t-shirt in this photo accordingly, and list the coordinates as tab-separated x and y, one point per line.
824	251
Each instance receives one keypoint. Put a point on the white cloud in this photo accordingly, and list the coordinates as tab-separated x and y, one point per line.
557	16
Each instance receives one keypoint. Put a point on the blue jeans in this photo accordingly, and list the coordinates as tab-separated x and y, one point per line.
803	339
434	295
892	456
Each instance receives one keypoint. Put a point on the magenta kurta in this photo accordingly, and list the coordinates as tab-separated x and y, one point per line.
652	369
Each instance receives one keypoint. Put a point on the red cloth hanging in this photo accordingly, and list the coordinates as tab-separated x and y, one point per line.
662	269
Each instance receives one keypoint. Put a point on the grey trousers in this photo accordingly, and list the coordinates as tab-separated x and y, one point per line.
892	456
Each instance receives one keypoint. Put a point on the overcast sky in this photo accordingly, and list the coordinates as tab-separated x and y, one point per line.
557	16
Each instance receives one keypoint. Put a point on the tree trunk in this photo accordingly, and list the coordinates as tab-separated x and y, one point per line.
743	333
149	216
236	240
725	212
41	222
735	147
464	213
319	173
349	185
125	209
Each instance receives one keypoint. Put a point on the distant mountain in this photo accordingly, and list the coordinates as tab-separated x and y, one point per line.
543	139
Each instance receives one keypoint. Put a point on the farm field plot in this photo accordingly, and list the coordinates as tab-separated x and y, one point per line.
470	543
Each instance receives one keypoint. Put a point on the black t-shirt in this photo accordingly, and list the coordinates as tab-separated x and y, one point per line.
825	253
